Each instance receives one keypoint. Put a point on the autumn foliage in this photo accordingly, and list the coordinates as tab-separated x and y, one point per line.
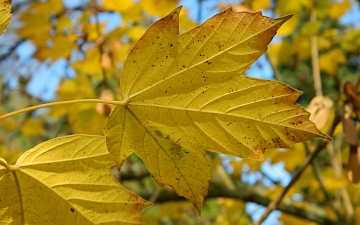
180	96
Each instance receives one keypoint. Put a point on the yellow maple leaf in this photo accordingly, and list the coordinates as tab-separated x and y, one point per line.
91	64
279	52
184	94
293	220
287	156
158	7
288	28
258	5
48	7
40	23
114	5
331	60
338	9
32	127
61	46
5	16
65	180
9	155
83	118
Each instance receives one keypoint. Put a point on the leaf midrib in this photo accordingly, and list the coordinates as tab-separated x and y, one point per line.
222	114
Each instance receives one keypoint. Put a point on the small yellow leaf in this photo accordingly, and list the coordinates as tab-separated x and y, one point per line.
186	22
66	181
289	27
158	7
91	64
330	61
287	156
49	7
301	47
283	7
5	16
173	209
279	52
9	156
116	6
32	21
332	184
351	41
61	47
338	9
294	220
136	32
311	28
9	124
324	43
258	5
134	14
63	23
32	127
83	118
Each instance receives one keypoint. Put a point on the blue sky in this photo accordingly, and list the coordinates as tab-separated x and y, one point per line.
47	78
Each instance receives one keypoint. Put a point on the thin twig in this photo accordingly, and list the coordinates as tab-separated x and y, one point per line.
32	108
274	204
155	195
99	47
336	165
315	55
276	72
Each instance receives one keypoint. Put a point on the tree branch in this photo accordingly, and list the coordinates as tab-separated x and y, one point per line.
242	191
274	204
248	193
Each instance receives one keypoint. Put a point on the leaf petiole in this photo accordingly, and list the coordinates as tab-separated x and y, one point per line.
32	108
8	167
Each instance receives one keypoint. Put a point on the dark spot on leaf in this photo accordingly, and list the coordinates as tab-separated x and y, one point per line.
158	133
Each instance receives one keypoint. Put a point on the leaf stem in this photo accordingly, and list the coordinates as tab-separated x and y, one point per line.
32	108
8	167
274	204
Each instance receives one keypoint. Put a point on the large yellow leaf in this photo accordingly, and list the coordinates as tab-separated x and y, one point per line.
66	181
184	94
5	16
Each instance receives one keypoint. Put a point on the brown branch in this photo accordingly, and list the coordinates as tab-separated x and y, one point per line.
242	191
274	204
249	193
275	70
11	49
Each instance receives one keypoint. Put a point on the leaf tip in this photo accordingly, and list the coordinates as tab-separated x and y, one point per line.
177	9
118	165
285	18
326	137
